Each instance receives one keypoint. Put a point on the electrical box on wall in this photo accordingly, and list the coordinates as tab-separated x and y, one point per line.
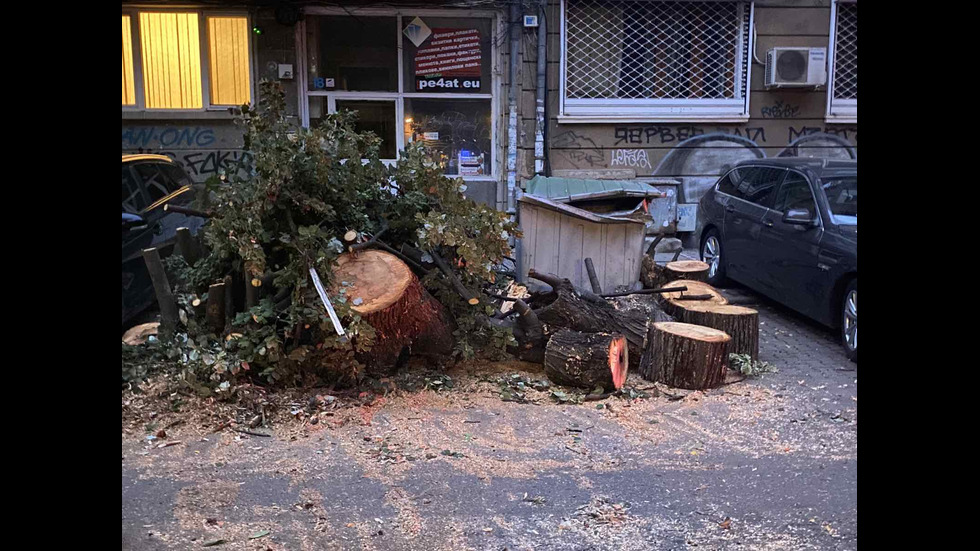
796	67
530	20
285	71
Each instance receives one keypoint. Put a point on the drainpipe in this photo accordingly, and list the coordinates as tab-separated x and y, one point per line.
539	101
515	43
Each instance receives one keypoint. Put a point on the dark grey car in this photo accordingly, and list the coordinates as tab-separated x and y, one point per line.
787	228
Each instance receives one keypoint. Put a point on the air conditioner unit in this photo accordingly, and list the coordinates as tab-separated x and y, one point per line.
788	67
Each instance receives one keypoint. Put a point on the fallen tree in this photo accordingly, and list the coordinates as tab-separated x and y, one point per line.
305	200
587	360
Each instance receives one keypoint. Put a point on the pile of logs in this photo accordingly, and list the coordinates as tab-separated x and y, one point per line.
679	330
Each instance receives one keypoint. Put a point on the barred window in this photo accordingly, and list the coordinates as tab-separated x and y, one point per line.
842	99
655	59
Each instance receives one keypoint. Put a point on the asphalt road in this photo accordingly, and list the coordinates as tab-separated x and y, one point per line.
767	463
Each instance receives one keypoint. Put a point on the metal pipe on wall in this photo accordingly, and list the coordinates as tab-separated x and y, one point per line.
515	44
539	101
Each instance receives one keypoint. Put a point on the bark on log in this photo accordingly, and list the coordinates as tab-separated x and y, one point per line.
587	359
581	310
650	273
676	307
683	355
741	324
403	315
161	286
644	304
216	308
693	270
186	246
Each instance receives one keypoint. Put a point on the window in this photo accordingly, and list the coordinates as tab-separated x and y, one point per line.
655	60
754	184
411	77
795	194
842	95
185	60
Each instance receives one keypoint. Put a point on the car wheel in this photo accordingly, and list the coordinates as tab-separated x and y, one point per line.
711	255
848	326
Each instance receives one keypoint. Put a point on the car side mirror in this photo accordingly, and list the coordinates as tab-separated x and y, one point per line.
132	222
799	217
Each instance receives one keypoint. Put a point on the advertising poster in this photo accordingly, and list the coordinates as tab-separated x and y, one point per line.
450	60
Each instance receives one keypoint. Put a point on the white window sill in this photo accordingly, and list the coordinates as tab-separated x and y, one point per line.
841	119
598	119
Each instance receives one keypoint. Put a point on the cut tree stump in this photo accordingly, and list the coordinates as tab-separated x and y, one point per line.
739	322
693	270
683	355
674	303
586	360
406	319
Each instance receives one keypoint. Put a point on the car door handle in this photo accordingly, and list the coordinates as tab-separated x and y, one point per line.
767	223
729	208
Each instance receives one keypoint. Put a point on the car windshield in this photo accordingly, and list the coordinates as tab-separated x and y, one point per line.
842	195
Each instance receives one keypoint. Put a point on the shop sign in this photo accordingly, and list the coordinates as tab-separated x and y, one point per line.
450	62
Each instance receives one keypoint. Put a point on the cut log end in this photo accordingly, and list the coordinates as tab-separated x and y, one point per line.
256	282
474	301
619	361
350	236
676	307
686	269
377	278
684	355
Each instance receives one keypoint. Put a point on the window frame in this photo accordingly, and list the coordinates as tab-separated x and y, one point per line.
809	185
403	15
659	110
139	110
842	110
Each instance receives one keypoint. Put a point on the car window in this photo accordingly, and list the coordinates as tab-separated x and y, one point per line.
756	184
160	179
842	195
794	194
727	185
133	200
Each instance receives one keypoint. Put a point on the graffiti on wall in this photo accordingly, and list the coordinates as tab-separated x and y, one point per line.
630	158
155	137
697	155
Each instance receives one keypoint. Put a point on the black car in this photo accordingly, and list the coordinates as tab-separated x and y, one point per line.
148	183
787	228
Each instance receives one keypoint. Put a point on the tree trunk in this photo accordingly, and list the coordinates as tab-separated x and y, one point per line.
693	270
581	310
161	286
683	355
674	303
386	294
587	359
740	323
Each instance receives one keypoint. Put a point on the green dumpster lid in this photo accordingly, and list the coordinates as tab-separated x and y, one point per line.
567	190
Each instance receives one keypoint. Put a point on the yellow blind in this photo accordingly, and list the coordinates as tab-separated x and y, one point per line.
228	43
128	82
171	53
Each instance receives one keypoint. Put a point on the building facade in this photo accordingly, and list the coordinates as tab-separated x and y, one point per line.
644	89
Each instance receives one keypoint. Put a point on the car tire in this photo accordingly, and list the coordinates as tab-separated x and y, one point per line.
711	254
848	324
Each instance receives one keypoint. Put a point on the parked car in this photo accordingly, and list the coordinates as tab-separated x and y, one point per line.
148	183
787	228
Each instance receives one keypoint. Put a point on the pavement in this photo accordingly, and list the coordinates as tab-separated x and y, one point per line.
765	463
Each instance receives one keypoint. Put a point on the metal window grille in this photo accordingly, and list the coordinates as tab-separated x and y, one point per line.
618	49
846	52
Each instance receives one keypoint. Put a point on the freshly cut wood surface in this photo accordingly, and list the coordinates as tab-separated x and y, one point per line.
674	304
376	277
406	319
685	269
